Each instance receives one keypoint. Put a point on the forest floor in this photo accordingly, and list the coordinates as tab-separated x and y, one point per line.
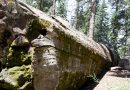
111	80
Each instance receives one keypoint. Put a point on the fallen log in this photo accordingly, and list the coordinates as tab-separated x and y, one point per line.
62	57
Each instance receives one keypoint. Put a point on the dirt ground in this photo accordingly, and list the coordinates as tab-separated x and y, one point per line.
112	80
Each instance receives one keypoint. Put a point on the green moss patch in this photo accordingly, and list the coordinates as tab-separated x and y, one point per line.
18	56
17	77
37	27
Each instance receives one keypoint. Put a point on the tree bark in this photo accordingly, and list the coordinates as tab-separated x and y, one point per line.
64	54
72	55
92	19
54	7
76	15
62	57
40	5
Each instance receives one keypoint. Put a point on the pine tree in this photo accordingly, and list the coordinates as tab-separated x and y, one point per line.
92	19
116	25
123	47
81	17
61	8
102	27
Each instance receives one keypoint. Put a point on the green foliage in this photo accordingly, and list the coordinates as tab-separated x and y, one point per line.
86	26
102	27
122	50
115	27
83	20
119	22
36	27
61	8
43	5
19	78
107	27
94	77
18	56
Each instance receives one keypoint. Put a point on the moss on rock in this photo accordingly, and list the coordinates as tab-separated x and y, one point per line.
70	81
18	56
37	27
16	78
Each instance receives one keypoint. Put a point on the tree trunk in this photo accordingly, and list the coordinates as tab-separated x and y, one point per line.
40	4
76	15
92	19
61	57
54	7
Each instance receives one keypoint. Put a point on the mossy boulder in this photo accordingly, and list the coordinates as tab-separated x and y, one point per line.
16	78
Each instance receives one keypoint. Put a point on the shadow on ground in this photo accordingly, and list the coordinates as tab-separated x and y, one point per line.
122	73
90	85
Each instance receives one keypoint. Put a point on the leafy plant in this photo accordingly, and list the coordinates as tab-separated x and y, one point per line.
94	77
